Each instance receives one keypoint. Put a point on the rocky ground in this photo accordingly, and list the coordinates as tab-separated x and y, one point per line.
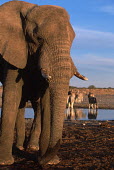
87	145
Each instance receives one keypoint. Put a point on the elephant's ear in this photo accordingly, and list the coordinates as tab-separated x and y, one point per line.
13	47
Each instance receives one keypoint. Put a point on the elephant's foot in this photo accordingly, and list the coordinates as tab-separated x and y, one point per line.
50	157
20	148
32	148
7	161
6	157
54	161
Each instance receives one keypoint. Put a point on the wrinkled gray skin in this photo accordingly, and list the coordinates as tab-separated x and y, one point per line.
35	39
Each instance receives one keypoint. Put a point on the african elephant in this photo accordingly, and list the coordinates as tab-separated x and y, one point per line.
35	39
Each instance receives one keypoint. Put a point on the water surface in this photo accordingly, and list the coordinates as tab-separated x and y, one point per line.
87	114
80	114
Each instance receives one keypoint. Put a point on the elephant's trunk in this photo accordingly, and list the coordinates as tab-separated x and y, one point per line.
58	95
60	73
58	68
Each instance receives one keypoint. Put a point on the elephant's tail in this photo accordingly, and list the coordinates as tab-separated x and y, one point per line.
77	74
50	153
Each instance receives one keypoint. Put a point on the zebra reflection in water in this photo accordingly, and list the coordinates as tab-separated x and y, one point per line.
92	113
74	114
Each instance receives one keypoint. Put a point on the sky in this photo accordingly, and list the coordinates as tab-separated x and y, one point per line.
93	47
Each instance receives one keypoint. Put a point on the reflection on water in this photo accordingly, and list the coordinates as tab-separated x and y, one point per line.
92	113
74	114
79	114
88	114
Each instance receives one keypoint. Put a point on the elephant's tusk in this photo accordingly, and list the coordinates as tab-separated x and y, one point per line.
45	75
77	74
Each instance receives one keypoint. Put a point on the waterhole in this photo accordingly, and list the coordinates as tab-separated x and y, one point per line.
79	114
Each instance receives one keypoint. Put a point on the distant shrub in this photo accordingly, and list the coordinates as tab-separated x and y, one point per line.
91	87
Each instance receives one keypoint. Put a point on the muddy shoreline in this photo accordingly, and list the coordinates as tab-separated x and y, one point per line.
101	106
86	145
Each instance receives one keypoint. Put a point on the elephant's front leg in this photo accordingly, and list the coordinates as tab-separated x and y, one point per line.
33	143
45	123
11	99
20	128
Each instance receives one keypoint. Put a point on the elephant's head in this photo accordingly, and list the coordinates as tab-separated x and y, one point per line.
49	32
43	32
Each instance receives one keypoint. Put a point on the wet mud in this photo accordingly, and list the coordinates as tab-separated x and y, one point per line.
87	145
